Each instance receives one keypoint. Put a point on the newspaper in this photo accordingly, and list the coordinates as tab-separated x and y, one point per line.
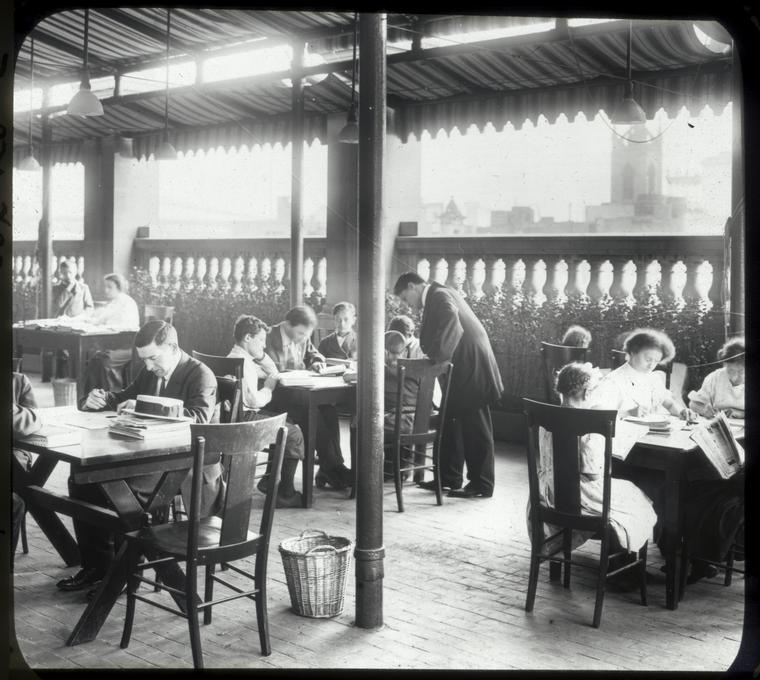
626	435
718	443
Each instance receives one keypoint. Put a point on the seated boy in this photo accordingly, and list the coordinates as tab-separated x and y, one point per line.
341	344
404	325
395	345
289	346
250	338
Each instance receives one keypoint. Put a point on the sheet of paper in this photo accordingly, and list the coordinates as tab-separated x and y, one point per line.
626	435
88	420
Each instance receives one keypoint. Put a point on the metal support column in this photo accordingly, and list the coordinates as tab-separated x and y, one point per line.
296	193
44	236
737	222
369	498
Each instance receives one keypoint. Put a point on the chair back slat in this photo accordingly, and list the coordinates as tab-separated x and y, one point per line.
553	358
422	374
229	396
619	357
240	444
221	366
567	426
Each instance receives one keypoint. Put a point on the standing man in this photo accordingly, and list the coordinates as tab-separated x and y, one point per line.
450	331
70	297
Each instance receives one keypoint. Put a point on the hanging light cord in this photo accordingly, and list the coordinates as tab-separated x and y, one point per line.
31	92
86	43
166	91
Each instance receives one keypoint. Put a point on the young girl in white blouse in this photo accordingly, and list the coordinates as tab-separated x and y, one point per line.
723	389
633	388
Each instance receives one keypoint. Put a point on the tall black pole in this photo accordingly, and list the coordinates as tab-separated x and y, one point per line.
737	222
369	497
44	237
296	192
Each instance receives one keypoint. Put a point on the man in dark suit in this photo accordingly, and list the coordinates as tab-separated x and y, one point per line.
168	372
70	297
289	345
450	331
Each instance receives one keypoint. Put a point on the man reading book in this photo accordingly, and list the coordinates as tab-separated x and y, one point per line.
289	346
168	372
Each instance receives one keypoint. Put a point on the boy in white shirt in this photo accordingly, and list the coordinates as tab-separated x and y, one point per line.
250	340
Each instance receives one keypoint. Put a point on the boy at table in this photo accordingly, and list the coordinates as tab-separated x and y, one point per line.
250	339
168	372
404	325
289	346
341	344
26	421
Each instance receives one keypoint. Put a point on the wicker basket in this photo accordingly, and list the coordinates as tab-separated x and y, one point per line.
316	566
64	392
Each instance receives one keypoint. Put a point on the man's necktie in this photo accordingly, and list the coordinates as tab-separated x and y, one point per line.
160	387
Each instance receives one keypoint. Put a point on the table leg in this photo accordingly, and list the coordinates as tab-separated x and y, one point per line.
53	528
80	372
310	437
672	534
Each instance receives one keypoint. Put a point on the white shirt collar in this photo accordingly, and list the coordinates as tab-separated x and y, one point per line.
425	290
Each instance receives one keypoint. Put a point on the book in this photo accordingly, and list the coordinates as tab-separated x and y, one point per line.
52	436
338	362
655	423
626	436
337	369
146	428
717	441
297	378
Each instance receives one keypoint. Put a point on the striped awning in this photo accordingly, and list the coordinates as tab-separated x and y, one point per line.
499	81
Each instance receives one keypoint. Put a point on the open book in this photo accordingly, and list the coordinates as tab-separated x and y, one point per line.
718	443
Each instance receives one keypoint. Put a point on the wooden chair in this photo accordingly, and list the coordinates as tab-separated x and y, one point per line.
426	428
221	365
553	358
619	358
728	566
566	426
158	312
208	541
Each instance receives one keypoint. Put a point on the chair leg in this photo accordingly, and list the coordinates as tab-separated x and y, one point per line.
132	582
262	616
532	580
726	579
601	582
354	469
437	474
684	571
191	589
567	549
397	477
208	593
25	544
643	574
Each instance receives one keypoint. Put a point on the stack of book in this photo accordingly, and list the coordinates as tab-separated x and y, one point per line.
136	427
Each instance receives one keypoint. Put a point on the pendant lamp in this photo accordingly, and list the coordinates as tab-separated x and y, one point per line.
165	151
629	112
350	132
29	162
84	102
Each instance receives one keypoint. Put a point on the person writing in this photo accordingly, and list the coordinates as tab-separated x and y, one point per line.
450	331
250	340
168	372
723	389
105	368
289	346
404	325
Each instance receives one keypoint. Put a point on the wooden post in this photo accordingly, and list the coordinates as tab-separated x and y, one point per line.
737	221
44	238
296	193
369	498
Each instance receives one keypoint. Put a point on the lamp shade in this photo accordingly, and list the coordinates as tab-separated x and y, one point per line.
350	132
29	163
84	102
165	151
628	112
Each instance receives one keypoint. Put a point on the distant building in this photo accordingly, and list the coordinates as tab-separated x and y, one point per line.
516	220
452	219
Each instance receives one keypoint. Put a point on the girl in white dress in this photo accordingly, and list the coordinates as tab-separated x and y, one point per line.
631	515
634	389
723	389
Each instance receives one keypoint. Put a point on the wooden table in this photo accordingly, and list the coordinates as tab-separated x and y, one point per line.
108	461
78	345
328	390
671	455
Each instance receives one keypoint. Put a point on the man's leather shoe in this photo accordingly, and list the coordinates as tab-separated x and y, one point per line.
84	578
430	485
470	491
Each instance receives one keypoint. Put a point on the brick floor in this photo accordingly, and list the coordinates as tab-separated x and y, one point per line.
454	595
